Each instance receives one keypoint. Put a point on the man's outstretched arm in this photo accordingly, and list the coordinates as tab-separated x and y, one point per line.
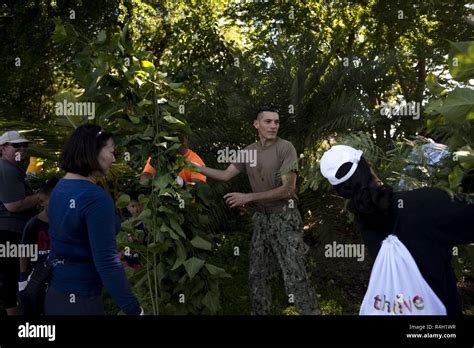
216	174
286	190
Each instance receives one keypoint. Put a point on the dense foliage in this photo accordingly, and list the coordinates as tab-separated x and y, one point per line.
157	70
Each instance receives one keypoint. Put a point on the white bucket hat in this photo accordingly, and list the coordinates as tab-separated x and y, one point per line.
13	137
334	158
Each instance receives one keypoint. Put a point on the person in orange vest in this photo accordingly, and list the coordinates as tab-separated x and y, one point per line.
35	166
185	176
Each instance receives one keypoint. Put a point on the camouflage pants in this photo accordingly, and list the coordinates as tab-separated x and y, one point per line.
277	240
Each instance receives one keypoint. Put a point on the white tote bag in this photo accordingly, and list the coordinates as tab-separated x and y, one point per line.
396	286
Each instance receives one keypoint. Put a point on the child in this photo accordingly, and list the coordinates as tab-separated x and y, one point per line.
36	232
130	257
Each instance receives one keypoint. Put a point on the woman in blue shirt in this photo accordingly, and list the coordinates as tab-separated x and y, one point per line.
83	226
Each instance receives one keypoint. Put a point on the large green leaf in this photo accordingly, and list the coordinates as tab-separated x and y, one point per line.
123	201
147	65
196	287
201	243
166	192
161	271
180	255
173	120
211	301
59	33
154	248
146	214
217	271
433	86
461	60
105	110
165	228
457	107
177	228
193	265
166	210
455	177
173	148
175	85
163	181
173	139
134	119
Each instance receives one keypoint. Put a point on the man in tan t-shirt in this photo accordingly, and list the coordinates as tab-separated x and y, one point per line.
271	165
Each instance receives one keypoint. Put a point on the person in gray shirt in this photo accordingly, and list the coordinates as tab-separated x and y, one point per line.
277	239
17	206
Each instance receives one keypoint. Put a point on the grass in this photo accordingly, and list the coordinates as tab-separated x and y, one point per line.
235	294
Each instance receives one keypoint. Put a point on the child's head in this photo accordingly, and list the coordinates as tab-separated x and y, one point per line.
45	191
134	208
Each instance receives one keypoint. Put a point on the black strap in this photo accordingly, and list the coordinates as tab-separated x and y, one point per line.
397	220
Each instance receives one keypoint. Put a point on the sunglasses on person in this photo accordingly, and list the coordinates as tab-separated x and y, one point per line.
18	145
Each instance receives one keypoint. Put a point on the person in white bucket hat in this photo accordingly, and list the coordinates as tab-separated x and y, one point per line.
334	158
427	221
17	206
13	137
16	141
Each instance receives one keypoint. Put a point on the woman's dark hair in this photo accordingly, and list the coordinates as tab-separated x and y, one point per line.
81	151
370	203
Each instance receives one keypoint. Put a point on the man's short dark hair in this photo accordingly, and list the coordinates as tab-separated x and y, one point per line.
265	108
81	151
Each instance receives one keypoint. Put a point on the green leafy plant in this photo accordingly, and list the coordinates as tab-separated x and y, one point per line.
450	113
134	101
